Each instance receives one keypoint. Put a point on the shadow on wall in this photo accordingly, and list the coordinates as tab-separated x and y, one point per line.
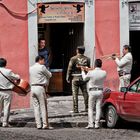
21	16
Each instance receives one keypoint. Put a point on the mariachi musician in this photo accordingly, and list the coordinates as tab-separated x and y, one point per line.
75	77
96	77
124	66
39	78
6	90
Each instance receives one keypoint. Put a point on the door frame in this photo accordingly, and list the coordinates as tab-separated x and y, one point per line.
89	29
124	22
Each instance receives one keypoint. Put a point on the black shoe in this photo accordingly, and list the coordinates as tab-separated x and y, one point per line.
39	128
7	126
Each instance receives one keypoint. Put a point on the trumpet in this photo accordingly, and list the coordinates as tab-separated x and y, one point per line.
109	56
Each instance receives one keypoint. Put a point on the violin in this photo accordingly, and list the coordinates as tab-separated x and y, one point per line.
86	69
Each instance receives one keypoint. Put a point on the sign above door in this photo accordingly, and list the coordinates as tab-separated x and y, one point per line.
61	13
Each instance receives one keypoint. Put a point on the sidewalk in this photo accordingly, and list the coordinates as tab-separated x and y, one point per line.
59	108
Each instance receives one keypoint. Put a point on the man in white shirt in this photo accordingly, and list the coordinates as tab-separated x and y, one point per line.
124	66
39	79
6	90
96	79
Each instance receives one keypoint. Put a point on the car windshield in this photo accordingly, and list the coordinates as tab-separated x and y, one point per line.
135	87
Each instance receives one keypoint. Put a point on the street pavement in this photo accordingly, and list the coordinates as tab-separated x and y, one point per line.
67	126
59	112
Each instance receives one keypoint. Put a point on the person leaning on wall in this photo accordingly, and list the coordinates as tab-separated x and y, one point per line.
44	51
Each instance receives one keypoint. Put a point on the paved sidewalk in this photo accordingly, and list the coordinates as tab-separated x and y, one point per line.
59	108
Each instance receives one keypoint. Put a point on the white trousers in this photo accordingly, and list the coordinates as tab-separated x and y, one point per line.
39	101
95	99
124	81
5	104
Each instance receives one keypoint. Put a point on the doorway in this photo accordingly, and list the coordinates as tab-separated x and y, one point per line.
63	41
135	44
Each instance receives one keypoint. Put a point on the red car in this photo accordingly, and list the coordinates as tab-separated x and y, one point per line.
124	104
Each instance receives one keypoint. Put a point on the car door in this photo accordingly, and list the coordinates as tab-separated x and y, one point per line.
130	105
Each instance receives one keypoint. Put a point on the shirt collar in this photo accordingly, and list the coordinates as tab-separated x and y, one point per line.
80	54
37	63
97	68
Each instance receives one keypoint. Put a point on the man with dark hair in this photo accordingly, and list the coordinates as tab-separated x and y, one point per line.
124	66
44	51
74	75
96	79
6	90
3	62
39	78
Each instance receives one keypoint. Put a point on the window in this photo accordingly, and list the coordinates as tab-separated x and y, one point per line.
135	87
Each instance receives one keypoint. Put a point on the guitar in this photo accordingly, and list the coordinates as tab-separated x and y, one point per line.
22	87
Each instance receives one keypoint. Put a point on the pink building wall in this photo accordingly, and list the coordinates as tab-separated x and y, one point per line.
107	37
14	42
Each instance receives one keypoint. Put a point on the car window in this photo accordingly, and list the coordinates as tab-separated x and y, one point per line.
135	87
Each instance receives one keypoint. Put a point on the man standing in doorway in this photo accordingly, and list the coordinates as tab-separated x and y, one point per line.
96	79
74	75
44	51
6	90
124	66
39	78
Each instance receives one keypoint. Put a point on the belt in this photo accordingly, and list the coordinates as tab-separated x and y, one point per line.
76	75
95	89
122	73
5	89
38	85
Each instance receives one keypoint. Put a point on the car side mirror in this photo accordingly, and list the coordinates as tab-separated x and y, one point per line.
124	89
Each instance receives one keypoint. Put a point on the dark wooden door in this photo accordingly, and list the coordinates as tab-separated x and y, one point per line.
135	43
64	39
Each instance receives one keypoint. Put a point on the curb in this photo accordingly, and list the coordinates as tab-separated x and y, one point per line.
69	115
53	116
26	120
53	124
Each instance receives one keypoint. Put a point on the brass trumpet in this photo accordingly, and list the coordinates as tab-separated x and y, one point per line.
104	57
109	56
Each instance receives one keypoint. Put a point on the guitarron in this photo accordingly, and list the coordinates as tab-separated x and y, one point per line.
22	88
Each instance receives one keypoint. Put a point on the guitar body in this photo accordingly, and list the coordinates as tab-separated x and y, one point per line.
22	88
